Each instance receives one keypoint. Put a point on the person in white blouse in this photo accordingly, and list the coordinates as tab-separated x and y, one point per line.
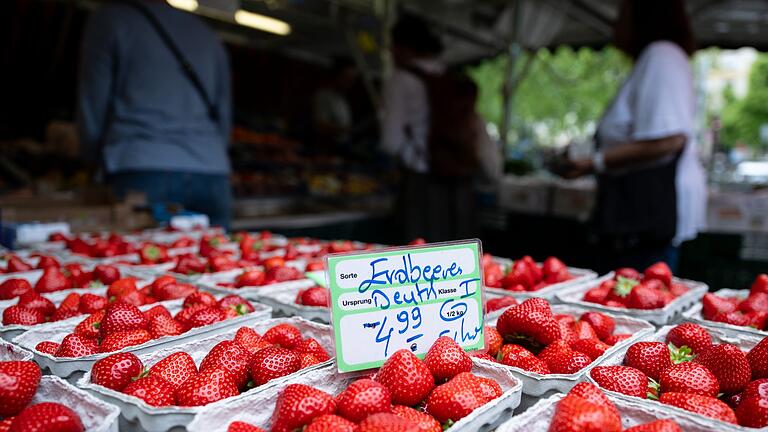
651	184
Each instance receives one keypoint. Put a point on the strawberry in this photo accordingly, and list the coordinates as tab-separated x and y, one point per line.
47	417
519	357
5	424
407	378
172	291
532	319
90	327
64	313
47	261
628	273
71	302
561	359
659	271
758	359
757	388
457	398
574	413
520	274
733	318
713	305
52	280
363	398
74	345
614	339
645	297
729	365
90	303
238	426
151	254
385	422
622	379
498	303
760	285
152	390
236	303
599	294
757	302
656	426
704	405
47	347
592	393
120	288
593	348
314	296
250	340
18	384
299	404
164	325
206	316
250	278
753	412
552	267
273	362
121	316
691	335
76	275
175	369
155	311
229	356
206	387
115	341
493	340
308	360
602	324
312	346
106	274
13	288
16	264
446	359
284	335
651	358
116	371
18	315
692	378
136	298
426	422
199	297
583	330
331	423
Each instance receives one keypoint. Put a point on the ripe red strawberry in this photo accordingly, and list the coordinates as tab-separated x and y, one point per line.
152	390
425	422
693	378
645	297
308	360
238	426
592	393
691	335
363	398
47	261
52	280
121	288
5	424
249	339
299	404
757	302
106	274
18	384
753	412
120	316
163	325
735	318
207	316
651	358
530	319
713	305
16	264
273	362
593	348
561	359
497	303
493	341
628	273
602	324
199	297
760	284
622	379
118	340
206	387
47	347
13	288
284	335
172	291
552	266
574	413
331	423
184	315
90	303
583	330
90	327
599	294
116	371
456	399
487	387
250	278
656	426
703	405
62	314
659	271
71	301
19	315
74	345
47	417
519	357
757	388
312	346
155	311
446	359
230	356
385	422
614	339
758	359
175	369
407	378
314	296
729	365
236	303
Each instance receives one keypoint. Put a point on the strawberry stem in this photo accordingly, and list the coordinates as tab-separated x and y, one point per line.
680	355
624	286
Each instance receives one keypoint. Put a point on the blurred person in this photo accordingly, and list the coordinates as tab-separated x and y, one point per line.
651	187
332	115
155	105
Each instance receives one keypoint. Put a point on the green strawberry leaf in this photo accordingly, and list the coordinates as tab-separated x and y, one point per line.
680	355
447	424
624	286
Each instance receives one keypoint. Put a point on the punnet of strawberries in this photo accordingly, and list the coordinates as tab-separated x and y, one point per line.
231	367
122	324
524	274
751	311
653	289
19	382
56	277
530	337
692	371
405	394
587	408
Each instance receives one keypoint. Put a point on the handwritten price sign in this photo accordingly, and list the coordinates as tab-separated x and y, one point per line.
405	298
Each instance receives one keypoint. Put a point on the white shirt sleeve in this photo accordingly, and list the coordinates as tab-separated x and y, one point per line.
393	118
663	93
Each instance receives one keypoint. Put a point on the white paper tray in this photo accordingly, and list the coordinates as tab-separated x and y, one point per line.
138	413
257	408
537	385
719	335
581	276
694	314
73	368
96	415
661	316
538	417
11	352
282	300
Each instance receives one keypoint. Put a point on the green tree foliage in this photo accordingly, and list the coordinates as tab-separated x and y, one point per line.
563	94
742	118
